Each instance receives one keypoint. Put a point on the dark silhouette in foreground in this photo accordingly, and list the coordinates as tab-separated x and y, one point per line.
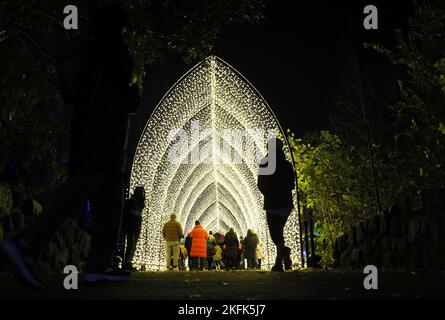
131	225
102	100
278	203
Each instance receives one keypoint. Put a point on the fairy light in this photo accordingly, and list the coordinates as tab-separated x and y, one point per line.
216	190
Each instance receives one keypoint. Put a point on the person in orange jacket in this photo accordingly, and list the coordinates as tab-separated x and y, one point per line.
199	245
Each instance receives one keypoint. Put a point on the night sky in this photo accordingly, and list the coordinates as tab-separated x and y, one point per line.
294	57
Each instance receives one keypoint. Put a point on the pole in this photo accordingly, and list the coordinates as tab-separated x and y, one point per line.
297	198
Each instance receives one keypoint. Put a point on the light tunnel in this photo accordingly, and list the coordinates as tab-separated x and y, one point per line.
198	157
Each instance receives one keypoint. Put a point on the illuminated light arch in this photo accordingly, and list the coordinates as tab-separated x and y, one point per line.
218	192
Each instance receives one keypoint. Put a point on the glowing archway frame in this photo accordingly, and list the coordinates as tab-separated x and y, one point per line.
217	97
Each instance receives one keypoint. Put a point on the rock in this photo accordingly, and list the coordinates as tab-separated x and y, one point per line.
51	251
74	256
79	234
71	236
59	239
84	245
61	260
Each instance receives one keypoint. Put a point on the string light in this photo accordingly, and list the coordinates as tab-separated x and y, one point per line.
217	191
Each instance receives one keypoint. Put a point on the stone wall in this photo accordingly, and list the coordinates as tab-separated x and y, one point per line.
409	235
70	245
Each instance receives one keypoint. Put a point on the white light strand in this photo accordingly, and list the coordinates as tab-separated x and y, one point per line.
218	192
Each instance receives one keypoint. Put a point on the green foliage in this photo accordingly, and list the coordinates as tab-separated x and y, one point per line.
333	181
419	139
32	39
330	178
407	145
32	140
329	230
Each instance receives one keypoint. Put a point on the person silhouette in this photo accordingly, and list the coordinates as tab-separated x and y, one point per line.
102	101
278	202
131	225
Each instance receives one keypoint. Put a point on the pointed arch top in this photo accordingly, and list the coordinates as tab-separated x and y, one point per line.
212	96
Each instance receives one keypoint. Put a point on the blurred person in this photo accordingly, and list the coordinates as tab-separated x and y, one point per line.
260	254
199	246
217	257
250	245
211	243
231	243
172	234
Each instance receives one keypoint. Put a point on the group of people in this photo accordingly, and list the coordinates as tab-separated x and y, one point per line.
102	97
203	251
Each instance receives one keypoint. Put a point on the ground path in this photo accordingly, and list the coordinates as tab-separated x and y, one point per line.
248	285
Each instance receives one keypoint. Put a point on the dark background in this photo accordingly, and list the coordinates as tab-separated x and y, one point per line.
295	58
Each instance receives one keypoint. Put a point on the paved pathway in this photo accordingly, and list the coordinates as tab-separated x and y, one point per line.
246	285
